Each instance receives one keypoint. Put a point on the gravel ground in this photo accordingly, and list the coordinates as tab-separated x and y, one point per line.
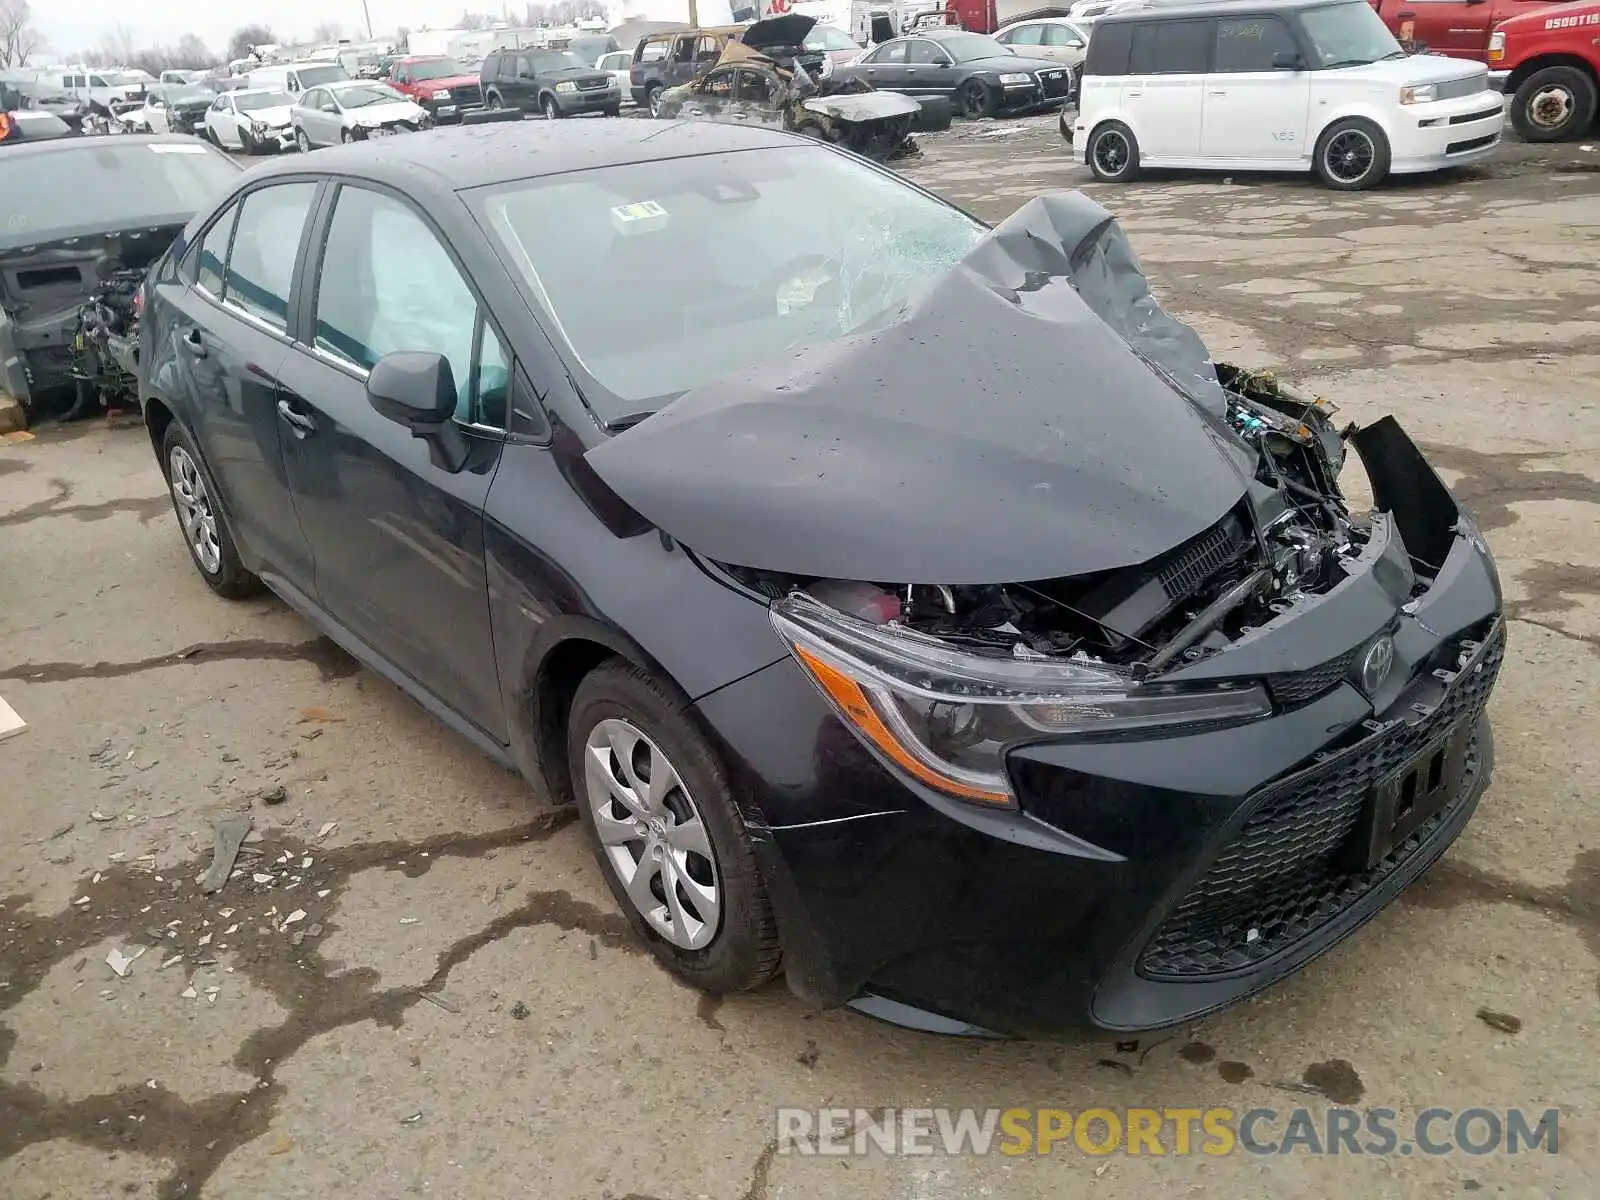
460	1010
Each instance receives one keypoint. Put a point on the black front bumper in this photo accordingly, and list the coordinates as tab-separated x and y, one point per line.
1144	882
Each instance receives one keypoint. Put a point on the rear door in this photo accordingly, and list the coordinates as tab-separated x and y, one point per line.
928	70
885	67
1162	94
1253	110
224	337
397	541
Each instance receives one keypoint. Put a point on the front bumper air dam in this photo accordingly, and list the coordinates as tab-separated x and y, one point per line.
1082	906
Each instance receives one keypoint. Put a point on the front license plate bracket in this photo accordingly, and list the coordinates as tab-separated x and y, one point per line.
1401	802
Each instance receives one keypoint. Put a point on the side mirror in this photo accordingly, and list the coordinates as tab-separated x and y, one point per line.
1074	44
418	390
1287	60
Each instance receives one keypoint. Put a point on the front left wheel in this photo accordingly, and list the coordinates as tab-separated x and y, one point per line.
667	831
205	531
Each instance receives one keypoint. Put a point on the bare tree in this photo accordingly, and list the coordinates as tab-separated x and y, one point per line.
18	38
472	20
249	35
328	31
192	52
117	47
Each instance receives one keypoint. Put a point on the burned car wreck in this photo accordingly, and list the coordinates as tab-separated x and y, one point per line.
770	78
1151	715
95	214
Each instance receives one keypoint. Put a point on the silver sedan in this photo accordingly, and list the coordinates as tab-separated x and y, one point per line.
352	112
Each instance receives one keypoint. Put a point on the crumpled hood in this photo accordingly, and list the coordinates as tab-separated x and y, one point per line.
273	118
1015	425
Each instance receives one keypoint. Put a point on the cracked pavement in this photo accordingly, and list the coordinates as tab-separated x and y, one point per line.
461	1011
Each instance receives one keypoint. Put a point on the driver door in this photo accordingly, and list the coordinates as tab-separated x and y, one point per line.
712	98
928	69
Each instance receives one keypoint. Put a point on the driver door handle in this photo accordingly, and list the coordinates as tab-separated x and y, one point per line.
298	421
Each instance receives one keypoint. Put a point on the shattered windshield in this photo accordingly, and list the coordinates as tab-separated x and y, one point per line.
717	262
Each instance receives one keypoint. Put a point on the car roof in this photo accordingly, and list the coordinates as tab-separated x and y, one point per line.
1172	9
463	157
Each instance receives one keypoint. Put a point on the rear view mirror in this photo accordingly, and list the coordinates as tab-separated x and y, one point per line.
1074	44
1287	60
418	390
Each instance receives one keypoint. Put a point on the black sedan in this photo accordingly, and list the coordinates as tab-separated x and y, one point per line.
985	693
979	74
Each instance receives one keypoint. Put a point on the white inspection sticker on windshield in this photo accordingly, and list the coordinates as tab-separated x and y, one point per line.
642	217
177	148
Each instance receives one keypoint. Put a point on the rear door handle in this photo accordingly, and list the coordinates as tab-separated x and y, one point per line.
298	421
194	343
1218	93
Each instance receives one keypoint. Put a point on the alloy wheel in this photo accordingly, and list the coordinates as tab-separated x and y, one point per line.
1112	153
551	112
302	141
652	834
974	99
1349	155
194	511
1551	107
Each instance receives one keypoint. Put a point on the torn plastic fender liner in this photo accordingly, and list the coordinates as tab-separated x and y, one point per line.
1403	483
1009	427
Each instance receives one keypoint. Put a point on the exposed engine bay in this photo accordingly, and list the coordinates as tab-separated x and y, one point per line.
69	315
1289	537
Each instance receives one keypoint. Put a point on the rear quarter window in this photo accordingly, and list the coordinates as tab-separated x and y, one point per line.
1171	48
1109	49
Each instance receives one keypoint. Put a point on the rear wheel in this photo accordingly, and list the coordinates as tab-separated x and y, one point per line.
205	532
652	99
1113	153
1352	155
667	832
1554	104
494	103
977	99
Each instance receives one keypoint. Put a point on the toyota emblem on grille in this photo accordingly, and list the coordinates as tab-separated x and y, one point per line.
1376	663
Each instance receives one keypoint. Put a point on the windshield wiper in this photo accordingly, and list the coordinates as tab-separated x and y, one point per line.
1396	53
628	421
1348	62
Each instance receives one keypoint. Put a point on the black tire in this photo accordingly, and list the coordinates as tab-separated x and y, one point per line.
346	136
228	578
493	103
1064	124
652	99
247	143
302	142
614	112
1352	155
211	136
549	108
743	953
1113	153
1554	105
934	114
977	99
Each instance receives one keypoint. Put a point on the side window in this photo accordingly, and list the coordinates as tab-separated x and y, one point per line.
261	265
1250	44
491	380
653	52
683	50
1171	48
891	53
754	86
387	284
1060	35
1108	49
707	49
719	84
96	81
1028	35
211	255
525	67
923	53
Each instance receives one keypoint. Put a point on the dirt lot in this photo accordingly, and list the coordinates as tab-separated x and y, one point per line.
460	1012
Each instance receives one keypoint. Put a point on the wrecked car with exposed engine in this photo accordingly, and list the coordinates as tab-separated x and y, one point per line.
908	605
769	77
91	215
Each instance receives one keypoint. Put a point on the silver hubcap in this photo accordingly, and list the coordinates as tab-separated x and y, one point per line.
194	511
1550	107
652	833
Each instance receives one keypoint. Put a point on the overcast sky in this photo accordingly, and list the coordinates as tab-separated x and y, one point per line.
70	25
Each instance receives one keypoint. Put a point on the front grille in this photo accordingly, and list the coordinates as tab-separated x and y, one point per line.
1280	879
1476	143
592	83
1482	115
1054	83
1184	573
1451	89
1297	687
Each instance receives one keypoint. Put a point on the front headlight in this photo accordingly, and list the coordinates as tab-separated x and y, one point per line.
946	717
1497	45
1419	93
442	94
1016	77
566	85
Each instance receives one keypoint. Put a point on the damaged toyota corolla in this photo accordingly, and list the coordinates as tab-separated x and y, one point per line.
907	605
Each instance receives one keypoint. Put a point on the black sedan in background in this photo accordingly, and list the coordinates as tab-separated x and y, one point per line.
980	75
987	694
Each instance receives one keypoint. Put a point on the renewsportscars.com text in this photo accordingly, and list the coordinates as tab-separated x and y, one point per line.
1163	1131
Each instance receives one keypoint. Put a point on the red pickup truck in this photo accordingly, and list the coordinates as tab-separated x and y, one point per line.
1545	55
